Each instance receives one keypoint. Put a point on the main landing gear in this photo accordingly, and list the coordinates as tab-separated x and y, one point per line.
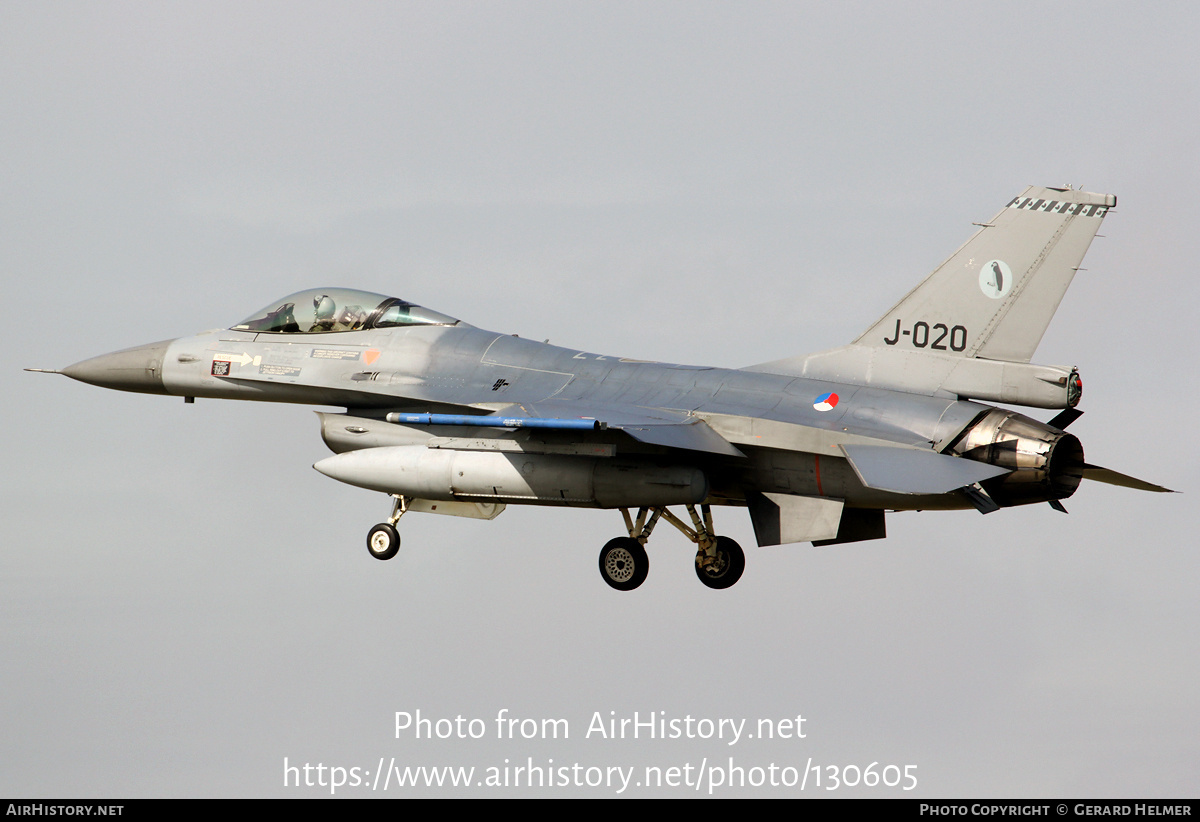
383	541
623	561
624	564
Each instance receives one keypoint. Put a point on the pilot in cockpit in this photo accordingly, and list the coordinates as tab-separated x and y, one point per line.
323	309
326	317
358	310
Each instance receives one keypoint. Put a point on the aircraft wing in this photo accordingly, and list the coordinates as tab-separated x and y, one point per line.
653	426
692	436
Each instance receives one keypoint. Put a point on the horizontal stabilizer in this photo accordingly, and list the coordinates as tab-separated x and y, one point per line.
915	471
1095	472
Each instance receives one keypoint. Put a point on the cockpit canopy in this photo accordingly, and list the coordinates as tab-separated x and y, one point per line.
323	310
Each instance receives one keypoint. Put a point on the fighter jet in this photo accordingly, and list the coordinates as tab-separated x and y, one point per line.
448	418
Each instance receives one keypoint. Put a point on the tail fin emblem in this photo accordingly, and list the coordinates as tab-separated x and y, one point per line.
995	279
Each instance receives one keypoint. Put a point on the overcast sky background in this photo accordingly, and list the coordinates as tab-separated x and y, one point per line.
185	602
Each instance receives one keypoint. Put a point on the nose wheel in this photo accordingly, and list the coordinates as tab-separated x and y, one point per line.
383	541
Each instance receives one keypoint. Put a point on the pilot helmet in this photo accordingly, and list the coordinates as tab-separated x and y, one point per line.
324	307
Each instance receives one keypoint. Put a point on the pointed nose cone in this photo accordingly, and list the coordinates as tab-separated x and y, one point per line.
134	369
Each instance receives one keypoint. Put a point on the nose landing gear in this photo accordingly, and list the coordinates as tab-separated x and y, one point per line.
383	541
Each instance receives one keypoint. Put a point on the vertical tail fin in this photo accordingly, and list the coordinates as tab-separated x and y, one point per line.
994	297
970	328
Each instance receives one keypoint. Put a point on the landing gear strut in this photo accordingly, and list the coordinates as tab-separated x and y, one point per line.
725	568
624	564
383	541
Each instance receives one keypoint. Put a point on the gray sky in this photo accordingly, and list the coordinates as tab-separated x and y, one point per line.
185	602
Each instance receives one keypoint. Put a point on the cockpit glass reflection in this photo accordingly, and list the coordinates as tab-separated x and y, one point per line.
325	310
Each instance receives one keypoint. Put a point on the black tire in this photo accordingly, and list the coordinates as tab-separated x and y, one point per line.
727	570
383	541
624	564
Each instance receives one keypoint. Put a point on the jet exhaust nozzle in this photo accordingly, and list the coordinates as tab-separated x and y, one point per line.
1046	463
